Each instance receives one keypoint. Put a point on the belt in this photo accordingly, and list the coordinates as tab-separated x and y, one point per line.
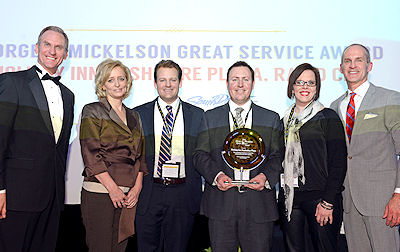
99	188
169	181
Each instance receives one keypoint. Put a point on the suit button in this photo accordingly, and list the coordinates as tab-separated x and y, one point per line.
349	157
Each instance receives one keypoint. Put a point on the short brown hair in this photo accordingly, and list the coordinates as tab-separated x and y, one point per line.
103	72
297	72
240	64
168	64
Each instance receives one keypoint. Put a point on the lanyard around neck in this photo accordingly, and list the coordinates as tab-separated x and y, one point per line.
289	122
165	122
245	120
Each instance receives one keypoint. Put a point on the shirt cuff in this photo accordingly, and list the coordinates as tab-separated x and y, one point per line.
3	191
215	179
268	186
397	190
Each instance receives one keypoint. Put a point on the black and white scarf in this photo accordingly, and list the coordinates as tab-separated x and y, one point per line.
293	163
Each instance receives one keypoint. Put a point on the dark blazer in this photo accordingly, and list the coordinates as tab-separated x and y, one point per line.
217	204
192	117
32	164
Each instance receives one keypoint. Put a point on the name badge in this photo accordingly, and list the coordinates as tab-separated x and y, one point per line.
295	181
171	170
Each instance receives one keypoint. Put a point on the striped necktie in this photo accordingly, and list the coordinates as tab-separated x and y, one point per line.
350	116
238	117
166	138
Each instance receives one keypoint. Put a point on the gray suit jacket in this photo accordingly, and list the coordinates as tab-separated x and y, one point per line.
217	204
372	169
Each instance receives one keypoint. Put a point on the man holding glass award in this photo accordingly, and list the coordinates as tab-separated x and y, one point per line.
238	154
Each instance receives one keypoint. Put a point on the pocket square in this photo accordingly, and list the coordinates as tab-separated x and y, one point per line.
370	115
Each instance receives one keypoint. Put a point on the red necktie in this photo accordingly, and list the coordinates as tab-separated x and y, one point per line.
350	116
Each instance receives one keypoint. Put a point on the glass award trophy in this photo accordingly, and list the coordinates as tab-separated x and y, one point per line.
243	151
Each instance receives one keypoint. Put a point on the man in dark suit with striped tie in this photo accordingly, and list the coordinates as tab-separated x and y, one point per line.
171	193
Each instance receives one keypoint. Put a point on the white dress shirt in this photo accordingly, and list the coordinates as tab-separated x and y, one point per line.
246	114
360	93
54	101
178	133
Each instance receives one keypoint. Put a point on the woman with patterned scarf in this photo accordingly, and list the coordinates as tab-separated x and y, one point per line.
314	166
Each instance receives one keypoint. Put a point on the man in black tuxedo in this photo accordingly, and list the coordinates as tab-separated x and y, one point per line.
171	192
36	115
239	217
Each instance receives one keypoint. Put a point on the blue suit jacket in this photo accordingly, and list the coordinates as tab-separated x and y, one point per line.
192	116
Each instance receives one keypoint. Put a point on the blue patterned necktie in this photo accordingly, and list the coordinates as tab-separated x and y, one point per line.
166	138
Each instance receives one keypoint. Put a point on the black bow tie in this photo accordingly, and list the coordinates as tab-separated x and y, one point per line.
47	76
56	80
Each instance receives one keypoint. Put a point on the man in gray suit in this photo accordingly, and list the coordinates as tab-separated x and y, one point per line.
371	116
236	217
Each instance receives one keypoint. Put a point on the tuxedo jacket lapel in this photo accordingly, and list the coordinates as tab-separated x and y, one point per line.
41	101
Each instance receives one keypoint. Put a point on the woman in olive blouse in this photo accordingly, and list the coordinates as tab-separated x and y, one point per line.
112	145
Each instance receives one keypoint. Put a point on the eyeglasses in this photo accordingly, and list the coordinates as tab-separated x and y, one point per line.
307	83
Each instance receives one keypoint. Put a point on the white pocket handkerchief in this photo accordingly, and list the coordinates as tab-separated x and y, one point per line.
370	115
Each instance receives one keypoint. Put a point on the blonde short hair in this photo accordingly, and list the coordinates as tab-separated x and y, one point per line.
103	72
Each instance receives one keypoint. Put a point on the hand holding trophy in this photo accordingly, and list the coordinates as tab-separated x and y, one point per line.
243	152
